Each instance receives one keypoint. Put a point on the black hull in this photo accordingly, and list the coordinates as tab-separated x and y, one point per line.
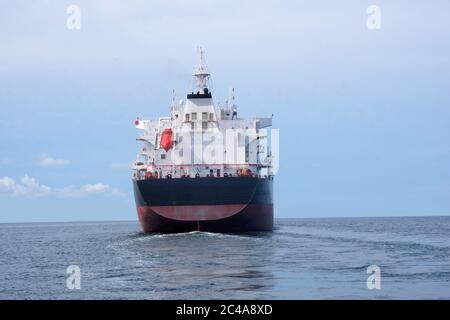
205	204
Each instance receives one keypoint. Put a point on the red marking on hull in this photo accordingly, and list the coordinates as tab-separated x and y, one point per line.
198	212
252	217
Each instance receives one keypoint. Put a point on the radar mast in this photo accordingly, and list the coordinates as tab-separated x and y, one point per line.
201	73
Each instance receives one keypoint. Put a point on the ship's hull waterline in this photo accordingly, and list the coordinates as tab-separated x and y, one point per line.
226	204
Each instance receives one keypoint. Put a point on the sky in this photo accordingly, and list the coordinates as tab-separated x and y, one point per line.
363	114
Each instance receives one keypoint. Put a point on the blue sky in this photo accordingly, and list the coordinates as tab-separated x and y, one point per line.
364	115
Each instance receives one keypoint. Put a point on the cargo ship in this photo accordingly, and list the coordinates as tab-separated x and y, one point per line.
202	167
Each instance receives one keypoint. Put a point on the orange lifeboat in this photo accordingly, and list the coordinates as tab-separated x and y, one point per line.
166	139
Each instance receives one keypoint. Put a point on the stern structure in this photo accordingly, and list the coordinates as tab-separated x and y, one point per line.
203	167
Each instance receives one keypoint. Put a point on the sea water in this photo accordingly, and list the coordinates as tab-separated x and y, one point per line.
300	259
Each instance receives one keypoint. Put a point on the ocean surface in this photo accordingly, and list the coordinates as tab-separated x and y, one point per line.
301	259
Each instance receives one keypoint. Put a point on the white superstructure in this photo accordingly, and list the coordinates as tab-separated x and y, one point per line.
201	139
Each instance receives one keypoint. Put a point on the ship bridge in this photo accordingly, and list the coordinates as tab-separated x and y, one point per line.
203	139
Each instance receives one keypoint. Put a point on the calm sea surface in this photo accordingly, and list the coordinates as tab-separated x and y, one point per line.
301	259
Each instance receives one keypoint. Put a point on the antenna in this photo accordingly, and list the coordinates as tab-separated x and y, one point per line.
173	106
202	56
201	73
231	99
174	96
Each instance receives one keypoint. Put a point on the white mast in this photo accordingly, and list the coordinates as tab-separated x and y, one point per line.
201	73
231	100
174	106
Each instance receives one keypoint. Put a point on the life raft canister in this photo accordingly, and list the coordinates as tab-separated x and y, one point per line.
166	139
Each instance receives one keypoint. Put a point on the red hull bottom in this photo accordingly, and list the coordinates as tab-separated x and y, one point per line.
208	218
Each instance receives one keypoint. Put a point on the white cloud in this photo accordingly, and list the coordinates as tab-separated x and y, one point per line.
95	188
87	190
28	186
46	161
